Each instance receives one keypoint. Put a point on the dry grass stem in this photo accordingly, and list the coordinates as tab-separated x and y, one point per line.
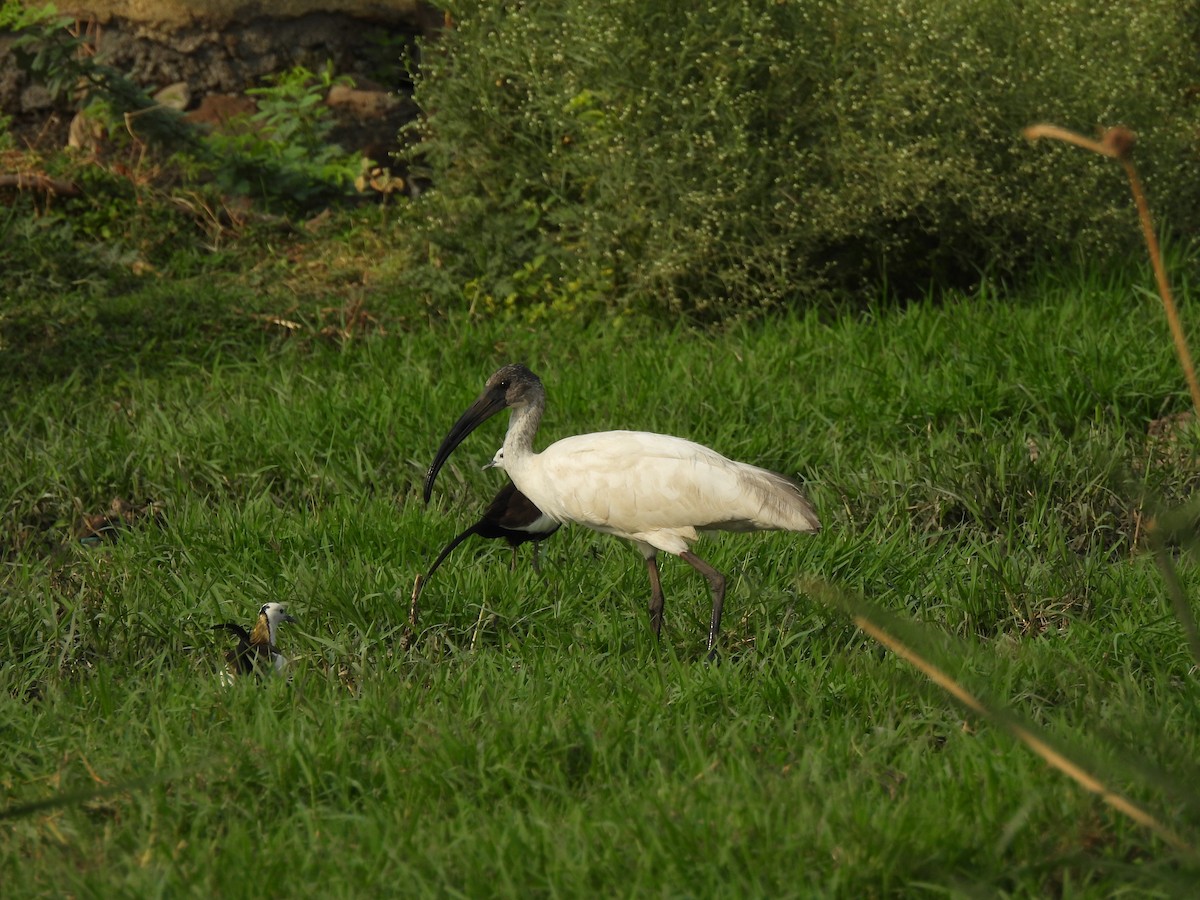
1175	590
1117	143
410	630
1040	747
1034	132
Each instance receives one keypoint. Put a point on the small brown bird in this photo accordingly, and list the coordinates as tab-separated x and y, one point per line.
255	652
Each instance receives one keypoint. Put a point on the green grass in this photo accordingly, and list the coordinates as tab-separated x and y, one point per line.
981	466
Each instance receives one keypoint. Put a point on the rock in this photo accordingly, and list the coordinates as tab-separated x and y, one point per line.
360	104
35	98
174	96
86	132
216	110
222	13
216	49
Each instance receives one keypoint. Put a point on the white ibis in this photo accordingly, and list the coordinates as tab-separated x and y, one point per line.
656	490
255	652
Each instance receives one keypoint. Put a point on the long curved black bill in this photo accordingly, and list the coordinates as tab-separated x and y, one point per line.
489	403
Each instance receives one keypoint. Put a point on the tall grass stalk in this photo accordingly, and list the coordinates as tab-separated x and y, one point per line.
875	622
1117	143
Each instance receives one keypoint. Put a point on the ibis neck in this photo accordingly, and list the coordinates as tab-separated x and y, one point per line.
522	426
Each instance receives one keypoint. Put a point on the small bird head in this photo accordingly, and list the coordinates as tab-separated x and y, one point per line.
512	386
497	461
275	613
269	617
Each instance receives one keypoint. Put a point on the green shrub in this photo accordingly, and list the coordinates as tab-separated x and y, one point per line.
738	156
282	155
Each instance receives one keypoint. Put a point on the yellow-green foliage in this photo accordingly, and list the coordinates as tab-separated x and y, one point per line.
738	155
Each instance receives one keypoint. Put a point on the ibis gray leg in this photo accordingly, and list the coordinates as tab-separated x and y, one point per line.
537	566
656	595
512	566
717	581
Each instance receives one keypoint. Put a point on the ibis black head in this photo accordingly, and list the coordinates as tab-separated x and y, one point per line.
512	386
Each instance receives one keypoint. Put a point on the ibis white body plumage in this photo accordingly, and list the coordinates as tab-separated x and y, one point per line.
656	490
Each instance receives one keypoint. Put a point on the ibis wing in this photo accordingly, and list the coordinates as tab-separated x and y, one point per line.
636	483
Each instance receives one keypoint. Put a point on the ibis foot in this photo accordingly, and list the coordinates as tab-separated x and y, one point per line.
717	581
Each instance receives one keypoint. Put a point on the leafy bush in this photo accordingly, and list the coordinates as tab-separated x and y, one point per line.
283	154
53	51
736	156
